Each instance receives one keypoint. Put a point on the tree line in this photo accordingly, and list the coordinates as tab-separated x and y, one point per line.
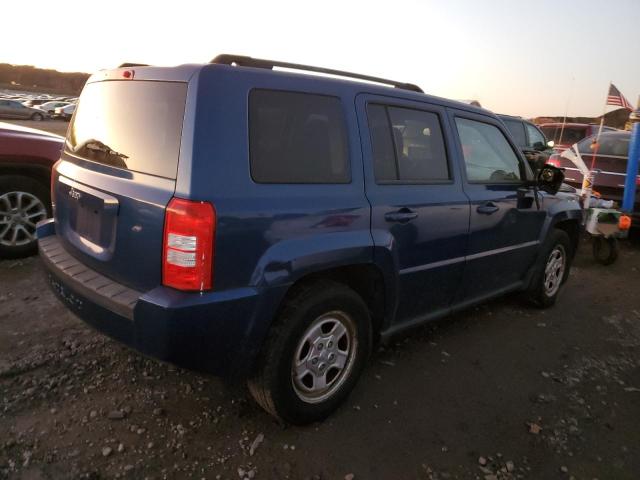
27	77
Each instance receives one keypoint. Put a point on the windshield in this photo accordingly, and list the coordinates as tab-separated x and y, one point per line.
133	125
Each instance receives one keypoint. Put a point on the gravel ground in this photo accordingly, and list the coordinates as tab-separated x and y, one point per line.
502	391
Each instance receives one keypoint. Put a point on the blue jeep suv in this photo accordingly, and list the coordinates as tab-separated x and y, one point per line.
249	222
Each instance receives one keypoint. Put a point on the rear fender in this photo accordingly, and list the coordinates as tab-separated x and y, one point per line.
287	261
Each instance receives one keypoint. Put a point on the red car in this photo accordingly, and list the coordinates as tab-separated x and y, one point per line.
26	158
564	137
611	163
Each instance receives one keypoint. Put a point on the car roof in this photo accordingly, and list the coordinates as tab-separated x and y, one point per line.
510	117
19	129
184	73
621	134
568	124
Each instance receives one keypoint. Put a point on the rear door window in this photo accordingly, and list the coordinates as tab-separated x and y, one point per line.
488	156
133	125
297	138
408	145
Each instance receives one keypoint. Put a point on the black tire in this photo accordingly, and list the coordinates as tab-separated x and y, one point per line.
537	293
605	250
19	183
37	117
272	384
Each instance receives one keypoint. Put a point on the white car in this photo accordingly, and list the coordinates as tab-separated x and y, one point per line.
65	112
50	107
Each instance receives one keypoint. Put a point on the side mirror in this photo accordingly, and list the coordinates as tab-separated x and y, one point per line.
539	146
550	179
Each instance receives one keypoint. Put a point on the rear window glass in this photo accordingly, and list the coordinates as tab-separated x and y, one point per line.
566	136
614	145
133	125
516	129
297	138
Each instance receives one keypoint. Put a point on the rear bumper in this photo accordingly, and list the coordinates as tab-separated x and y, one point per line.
215	332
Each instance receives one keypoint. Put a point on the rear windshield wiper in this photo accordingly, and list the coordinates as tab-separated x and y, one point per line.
98	146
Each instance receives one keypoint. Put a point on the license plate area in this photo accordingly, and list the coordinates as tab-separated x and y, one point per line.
88	217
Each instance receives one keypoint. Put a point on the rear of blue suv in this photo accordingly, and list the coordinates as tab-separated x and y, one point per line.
246	222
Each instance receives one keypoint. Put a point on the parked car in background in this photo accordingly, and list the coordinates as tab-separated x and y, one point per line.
49	107
15	109
65	112
263	224
530	139
26	158
610	161
564	137
31	102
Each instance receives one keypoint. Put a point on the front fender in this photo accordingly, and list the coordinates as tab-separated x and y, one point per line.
560	208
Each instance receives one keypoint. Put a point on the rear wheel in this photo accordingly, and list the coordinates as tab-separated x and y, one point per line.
605	250
314	354
552	269
23	203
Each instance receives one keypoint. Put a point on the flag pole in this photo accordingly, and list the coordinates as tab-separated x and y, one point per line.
604	112
566	110
589	179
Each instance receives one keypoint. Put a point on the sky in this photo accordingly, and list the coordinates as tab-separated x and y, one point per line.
528	58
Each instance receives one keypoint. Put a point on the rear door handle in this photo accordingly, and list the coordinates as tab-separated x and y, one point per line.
403	215
488	208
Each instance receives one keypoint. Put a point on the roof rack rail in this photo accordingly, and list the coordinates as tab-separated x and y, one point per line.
243	61
128	65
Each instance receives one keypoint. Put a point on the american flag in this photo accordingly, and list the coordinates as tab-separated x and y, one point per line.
616	98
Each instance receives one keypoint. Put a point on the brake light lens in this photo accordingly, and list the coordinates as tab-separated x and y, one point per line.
189	242
554	160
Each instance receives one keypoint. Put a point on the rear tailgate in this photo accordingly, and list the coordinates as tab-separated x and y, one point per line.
116	176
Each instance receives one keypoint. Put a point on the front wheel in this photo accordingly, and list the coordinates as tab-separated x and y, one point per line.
37	117
314	355
552	269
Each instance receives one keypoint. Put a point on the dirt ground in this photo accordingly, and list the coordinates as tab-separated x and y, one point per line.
59	127
502	391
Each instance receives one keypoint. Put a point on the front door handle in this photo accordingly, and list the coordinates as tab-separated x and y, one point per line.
488	208
403	215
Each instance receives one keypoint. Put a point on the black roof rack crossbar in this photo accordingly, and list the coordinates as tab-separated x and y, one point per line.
128	65
243	61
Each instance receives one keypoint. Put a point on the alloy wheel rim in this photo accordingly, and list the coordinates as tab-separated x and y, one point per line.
554	270
19	214
324	357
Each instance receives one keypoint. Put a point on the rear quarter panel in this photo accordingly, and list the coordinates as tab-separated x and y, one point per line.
270	234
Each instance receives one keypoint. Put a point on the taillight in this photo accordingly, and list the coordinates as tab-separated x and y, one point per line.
553	160
189	237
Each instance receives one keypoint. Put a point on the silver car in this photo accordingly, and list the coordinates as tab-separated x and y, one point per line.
14	109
